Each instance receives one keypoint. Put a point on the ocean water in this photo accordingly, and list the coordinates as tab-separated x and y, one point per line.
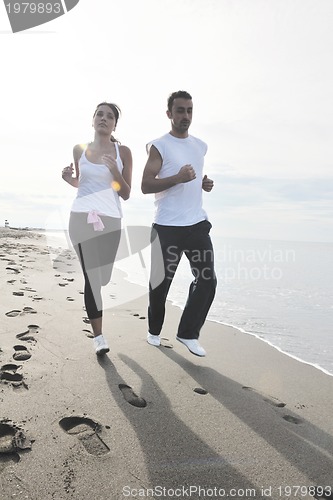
279	291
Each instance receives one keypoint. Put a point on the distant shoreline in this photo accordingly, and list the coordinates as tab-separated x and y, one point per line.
10	232
26	228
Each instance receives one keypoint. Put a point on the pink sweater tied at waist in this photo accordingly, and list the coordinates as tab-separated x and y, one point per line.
94	218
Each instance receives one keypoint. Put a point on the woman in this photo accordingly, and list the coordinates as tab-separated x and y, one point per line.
103	174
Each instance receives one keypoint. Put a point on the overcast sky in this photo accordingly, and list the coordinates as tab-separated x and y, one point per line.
261	76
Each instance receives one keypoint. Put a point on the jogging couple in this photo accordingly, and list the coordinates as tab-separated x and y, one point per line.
102	174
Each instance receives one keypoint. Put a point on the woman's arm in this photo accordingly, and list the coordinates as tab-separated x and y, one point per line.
67	173
121	181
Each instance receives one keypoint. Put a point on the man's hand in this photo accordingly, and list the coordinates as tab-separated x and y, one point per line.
207	184
186	174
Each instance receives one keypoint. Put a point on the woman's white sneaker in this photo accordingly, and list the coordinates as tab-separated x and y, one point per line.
193	346
100	345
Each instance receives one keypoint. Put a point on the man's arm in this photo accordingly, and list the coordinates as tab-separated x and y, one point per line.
152	184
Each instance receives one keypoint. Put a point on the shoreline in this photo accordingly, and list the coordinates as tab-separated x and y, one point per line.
296	358
243	331
42	237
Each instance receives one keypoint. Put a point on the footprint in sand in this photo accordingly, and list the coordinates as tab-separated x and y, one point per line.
8	374
166	343
278	404
131	397
16	312
200	390
66	280
28	335
291	419
88	333
87	431
138	316
12	441
21	353
28	289
13	313
29	310
35	297
60	261
14	270
268	399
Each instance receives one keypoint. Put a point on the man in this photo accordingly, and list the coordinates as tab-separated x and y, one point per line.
174	172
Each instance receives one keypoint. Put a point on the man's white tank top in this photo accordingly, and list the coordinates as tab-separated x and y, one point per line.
95	193
180	205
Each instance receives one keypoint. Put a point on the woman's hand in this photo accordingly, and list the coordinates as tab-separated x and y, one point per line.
110	162
67	175
67	172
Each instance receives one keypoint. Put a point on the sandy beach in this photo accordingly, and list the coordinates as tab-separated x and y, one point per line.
143	422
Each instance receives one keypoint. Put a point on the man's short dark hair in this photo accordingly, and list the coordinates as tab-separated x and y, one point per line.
175	95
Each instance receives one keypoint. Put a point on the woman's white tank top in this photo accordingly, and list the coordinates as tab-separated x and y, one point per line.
95	193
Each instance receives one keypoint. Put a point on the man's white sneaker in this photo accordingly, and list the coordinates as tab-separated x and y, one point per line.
153	340
193	346
100	345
